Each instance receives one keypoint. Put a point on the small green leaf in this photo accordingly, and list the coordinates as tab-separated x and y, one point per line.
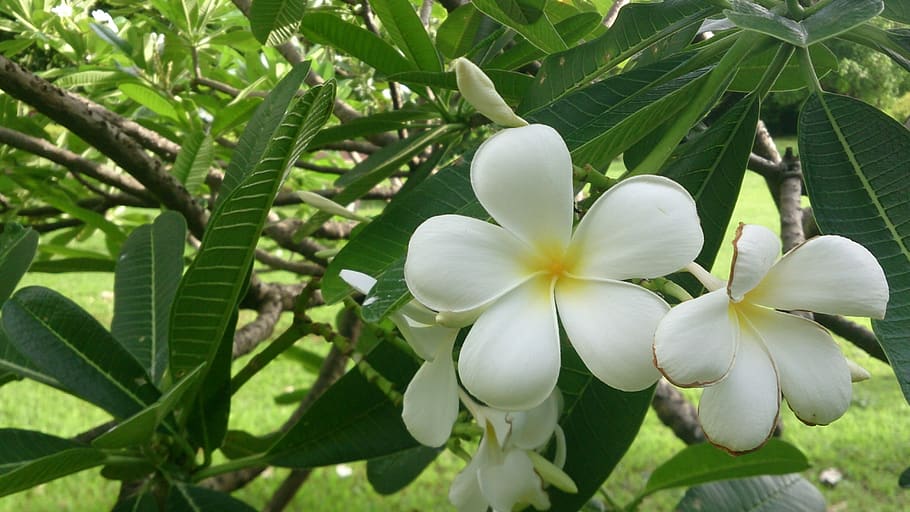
29	458
541	33
787	493
196	154
835	18
327	28
275	21
393	473
407	31
149	98
189	498
17	248
67	343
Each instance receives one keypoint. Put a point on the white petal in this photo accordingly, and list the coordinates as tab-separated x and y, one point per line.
532	429
357	280
457	263
739	412
431	400
814	375
510	359
523	178
827	274
512	482
611	324
465	492
425	339
479	91
695	343
755	249
645	226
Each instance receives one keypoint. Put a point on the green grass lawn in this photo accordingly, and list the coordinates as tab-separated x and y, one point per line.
869	444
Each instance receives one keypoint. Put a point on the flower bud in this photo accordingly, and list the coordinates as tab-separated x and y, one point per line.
479	91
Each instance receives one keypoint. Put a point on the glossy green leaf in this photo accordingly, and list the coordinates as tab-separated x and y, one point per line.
462	30
145	282
750	72
368	125
353	419
259	130
400	20
92	77
196	154
66	265
787	493
149	98
211	287
189	498
541	33
711	167
509	84
238	443
275	21
570	29
523	12
29	458
600	424
67	343
14	365
207	421
836	17
897	10
637	27
393	473
328	29
701	463
17	248
855	160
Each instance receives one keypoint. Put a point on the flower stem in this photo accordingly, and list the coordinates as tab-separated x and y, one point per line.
704	277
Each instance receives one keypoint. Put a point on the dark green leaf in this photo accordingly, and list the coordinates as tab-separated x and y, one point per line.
193	161
17	248
509	84
144	502
897	10
128	470
463	29
148	271
523	12
189	498
238	443
541	33
904	480
368	125
405	28
13	364
637	27
600	424
326	28
67	343
67	265
835	18
788	493
855	160
29	458
209	291
701	463
353	419
393	473
751	71
571	29
207	422
275	21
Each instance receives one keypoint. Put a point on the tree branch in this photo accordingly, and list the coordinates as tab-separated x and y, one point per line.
676	412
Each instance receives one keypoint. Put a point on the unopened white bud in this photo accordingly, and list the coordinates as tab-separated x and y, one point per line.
479	91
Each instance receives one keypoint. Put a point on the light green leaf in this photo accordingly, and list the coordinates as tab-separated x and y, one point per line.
541	33
29	458
92	77
149	98
61	201
210	289
145	283
196	154
787	493
17	248
275	21
855	160
328	29
835	18
67	343
189	498
405	28
750	72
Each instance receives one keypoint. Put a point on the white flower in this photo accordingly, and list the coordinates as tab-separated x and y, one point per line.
478	90
732	341
64	10
517	274
502	473
104	18
431	399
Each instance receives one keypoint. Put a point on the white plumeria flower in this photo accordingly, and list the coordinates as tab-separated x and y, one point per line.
513	277
63	10
478	90
502	473
431	399
733	342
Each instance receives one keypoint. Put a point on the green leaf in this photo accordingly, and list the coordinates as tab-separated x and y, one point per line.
29	458
68	265
196	154
12	363
750	72
855	160
210	289
788	493
904	480
328	29
523	12
144	502
407	31
238	443
637	27
353	419
897	10
92	77
189	498
462	30
600	424
368	125
571	29
17	248
835	18
541	33
149	98
67	343
509	84
275	21
207	421
711	167
63	202
393	473
145	282
259	130
701	463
